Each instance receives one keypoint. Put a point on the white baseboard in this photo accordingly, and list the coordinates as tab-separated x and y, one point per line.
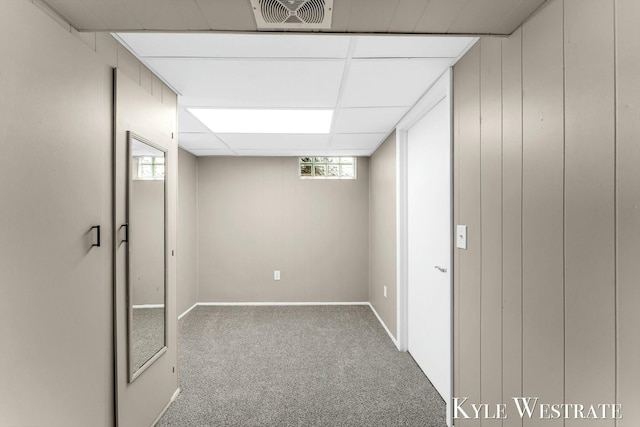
188	310
175	395
232	304
395	342
277	303
223	304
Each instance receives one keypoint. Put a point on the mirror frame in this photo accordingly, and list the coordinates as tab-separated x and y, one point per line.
135	373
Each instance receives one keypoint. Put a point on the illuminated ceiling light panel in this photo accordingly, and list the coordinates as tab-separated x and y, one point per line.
264	121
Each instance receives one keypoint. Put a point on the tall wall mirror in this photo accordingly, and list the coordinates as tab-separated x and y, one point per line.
146	239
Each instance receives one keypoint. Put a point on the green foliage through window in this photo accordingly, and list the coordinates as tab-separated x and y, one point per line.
328	167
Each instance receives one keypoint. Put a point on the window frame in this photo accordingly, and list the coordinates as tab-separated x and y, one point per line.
153	165
313	164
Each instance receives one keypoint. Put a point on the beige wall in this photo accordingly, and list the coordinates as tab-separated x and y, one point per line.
255	215
56	182
56	289
547	295
187	231
382	233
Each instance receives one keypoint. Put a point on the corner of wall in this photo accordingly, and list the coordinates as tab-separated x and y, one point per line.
197	227
383	233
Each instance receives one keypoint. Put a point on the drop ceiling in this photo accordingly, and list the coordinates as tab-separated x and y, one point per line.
214	55
370	82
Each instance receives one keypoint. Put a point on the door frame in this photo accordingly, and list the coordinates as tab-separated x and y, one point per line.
441	89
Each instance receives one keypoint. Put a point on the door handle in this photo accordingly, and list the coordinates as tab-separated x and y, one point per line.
126	233
97	228
442	270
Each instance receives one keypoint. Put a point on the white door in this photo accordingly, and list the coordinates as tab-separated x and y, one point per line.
429	246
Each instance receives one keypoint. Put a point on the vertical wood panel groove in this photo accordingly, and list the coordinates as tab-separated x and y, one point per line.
521	214
480	214
501	225
627	200
615	209
564	198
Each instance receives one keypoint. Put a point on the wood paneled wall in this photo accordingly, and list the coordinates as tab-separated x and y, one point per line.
547	178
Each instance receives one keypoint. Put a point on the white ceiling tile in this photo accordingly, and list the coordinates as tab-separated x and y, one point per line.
237	45
254	83
239	141
367	120
354	153
280	153
409	47
188	123
208	141
283	71
390	82
203	152
357	141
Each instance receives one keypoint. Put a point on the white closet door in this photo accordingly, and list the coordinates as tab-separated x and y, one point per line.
429	246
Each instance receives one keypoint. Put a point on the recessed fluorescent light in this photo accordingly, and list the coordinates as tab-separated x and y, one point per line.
264	121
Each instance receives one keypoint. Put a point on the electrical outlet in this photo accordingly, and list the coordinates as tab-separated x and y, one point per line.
384	290
276	274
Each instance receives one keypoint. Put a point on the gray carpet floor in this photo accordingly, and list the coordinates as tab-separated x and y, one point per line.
296	366
147	335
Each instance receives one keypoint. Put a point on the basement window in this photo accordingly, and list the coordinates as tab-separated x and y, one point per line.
328	167
149	167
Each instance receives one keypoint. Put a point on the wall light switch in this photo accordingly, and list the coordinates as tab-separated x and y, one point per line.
276	274
461	236
384	290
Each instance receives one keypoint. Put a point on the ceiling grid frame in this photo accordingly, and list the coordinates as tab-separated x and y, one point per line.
343	82
357	127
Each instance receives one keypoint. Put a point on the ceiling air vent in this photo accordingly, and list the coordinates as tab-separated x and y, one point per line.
293	14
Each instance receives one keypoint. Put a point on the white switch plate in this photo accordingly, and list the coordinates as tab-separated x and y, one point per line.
276	274
384	290
461	236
